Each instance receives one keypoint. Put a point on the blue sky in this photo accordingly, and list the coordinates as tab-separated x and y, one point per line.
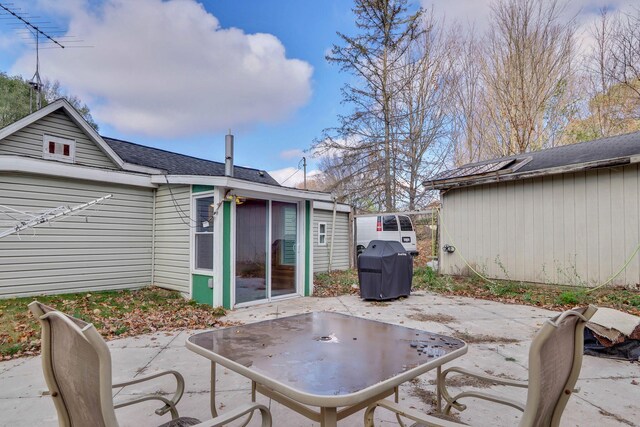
305	31
176	74
308	30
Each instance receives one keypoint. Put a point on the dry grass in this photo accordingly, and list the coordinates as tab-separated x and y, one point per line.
428	397
114	313
618	418
437	318
482	339
379	304
552	297
460	381
335	283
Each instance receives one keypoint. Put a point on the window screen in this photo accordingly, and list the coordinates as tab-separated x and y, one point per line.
389	223
405	223
204	251
203	240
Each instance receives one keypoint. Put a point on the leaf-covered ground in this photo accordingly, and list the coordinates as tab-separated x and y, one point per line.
335	283
115	314
547	296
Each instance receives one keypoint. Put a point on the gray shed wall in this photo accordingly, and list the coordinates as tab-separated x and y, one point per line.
106	247
575	229
172	268
28	140
341	246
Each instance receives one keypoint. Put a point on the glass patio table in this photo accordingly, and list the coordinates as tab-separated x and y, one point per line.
335	362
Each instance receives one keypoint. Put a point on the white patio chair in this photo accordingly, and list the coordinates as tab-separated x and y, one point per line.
77	368
555	360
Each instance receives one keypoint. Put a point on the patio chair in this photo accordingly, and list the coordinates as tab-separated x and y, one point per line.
555	360
77	368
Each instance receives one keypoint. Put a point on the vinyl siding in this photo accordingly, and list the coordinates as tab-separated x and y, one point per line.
28	141
172	269
104	247
341	246
575	229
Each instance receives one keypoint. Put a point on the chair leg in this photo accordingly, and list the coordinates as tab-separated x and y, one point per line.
397	400
368	415
212	396
438	394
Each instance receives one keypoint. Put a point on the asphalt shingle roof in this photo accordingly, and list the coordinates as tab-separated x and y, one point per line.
180	164
583	152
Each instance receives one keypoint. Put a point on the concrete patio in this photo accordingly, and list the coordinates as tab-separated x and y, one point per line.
609	389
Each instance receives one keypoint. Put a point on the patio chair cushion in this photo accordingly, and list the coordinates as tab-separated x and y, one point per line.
181	422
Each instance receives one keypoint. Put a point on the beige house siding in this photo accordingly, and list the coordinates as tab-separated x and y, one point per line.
172	263
341	245
106	247
28	140
576	229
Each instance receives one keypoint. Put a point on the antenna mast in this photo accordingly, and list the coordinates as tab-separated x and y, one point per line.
35	82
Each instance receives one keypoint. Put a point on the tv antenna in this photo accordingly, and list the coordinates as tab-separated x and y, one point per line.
36	29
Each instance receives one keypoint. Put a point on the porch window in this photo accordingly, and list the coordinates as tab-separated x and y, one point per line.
203	238
322	234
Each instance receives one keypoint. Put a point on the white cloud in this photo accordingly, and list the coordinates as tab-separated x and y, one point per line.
478	12
291	177
337	147
465	12
7	42
167	68
292	154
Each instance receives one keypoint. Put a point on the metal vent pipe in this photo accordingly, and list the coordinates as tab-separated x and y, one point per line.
228	155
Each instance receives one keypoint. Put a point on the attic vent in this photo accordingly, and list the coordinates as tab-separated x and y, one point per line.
261	173
57	148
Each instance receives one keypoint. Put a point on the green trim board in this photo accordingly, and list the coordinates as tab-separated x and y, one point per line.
307	248
202	293
226	254
196	188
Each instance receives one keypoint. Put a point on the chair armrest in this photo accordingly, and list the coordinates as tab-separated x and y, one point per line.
453	401
170	404
179	379
238	412
412	414
483	377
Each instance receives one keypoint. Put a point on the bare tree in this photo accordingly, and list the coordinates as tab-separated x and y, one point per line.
528	66
624	51
612	104
600	62
424	111
351	181
386	30
469	100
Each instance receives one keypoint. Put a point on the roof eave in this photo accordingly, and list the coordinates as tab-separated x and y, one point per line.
240	184
23	164
577	167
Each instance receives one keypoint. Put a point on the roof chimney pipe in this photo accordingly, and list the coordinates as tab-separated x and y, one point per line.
228	155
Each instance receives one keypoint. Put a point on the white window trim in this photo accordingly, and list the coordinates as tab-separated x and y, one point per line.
46	138
192	243
322	234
